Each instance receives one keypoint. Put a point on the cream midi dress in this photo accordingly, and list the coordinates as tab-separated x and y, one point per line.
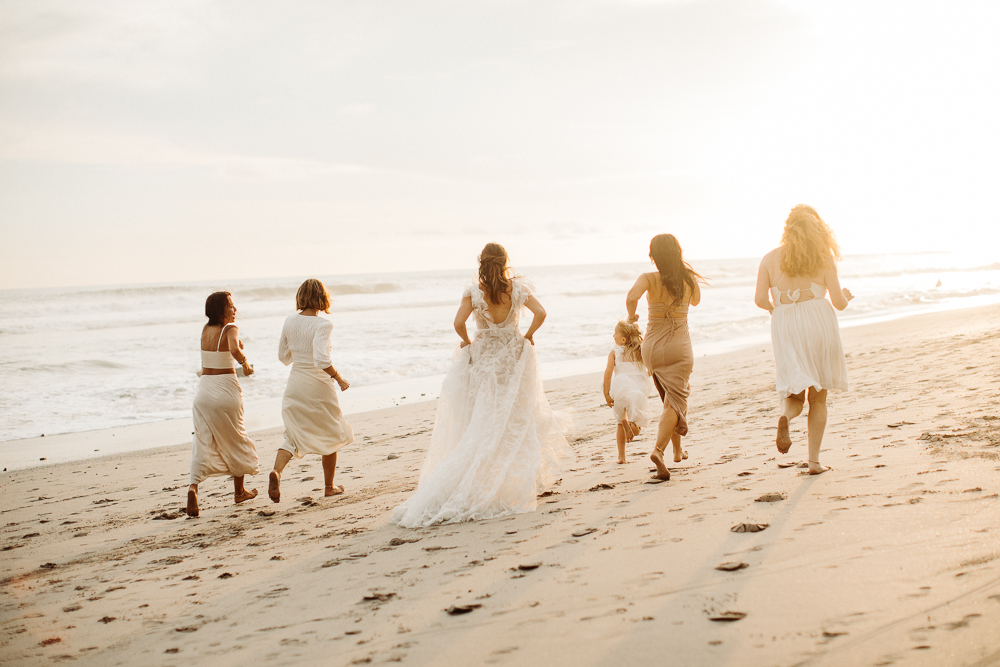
221	445
806	340
310	408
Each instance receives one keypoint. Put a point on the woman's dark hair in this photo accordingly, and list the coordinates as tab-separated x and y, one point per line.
494	274
215	308
675	273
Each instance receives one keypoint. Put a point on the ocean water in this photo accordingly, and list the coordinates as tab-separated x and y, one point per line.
77	359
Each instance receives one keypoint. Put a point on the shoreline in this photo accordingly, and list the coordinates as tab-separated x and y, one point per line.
896	545
265	415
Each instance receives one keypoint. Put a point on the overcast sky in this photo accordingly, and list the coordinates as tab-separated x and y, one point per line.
189	140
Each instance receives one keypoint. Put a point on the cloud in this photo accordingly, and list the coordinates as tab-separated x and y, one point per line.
21	143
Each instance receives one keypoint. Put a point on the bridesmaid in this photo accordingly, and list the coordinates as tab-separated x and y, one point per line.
792	282
666	349
221	445
310	409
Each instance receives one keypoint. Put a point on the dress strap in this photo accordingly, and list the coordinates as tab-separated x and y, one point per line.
218	348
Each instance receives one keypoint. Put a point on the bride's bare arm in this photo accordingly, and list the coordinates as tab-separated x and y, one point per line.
536	309
634	294
464	310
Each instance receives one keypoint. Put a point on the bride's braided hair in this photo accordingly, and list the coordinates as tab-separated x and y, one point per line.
633	340
809	244
675	274
494	273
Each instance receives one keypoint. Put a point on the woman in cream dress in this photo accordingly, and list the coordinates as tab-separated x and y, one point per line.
792	282
310	409
666	350
221	445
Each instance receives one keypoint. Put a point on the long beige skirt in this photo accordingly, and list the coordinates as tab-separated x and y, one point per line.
667	353
221	445
314	423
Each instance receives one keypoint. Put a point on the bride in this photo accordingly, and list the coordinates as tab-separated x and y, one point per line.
496	443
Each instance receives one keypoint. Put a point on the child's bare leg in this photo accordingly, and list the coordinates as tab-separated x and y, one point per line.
679	454
329	469
620	438
192	500
627	426
791	407
281	459
240	491
665	432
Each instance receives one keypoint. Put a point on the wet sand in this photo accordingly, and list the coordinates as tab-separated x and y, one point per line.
893	557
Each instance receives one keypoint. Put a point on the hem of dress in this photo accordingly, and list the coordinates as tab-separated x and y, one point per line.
220	474
785	393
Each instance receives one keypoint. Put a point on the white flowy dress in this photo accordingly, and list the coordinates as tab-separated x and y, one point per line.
630	390
310	408
496	443
806	340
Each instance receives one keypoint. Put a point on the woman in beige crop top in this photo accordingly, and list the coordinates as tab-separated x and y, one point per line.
221	445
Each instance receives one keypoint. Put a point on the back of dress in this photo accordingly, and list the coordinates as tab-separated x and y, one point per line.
520	291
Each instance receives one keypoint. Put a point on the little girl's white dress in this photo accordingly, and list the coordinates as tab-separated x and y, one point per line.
630	389
496	443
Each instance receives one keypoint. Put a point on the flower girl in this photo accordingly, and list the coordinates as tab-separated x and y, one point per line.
627	385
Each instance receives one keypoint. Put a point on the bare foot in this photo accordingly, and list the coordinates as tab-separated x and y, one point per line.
679	456
661	469
635	429
817	469
334	490
192	506
274	486
621	460
784	440
246	495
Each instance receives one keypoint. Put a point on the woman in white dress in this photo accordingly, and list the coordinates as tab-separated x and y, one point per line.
221	445
496	443
310	409
809	358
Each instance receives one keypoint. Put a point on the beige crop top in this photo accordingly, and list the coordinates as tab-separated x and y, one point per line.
218	359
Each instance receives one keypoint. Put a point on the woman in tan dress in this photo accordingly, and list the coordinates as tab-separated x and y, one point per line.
666	350
310	408
221	445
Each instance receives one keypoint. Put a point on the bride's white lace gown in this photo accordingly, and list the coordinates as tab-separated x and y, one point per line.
496	443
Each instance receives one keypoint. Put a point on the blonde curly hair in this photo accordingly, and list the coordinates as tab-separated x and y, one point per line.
633	340
809	244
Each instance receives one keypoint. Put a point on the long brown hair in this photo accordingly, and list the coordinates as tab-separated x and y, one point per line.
494	273
675	273
809	244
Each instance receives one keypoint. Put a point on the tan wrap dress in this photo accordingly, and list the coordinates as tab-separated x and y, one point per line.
666	350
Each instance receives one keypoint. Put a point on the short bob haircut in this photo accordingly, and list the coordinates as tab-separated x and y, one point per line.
215	308
312	294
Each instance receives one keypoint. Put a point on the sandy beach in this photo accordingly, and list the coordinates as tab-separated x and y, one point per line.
892	557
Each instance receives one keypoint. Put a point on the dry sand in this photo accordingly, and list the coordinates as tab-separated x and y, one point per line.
893	557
